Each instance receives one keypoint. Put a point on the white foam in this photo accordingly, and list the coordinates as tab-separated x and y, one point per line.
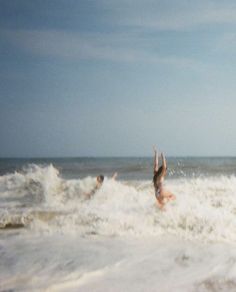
145	248
72	263
205	207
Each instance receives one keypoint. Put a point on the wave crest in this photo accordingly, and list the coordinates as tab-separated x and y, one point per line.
205	208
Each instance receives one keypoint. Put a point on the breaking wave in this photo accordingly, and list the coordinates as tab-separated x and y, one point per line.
38	199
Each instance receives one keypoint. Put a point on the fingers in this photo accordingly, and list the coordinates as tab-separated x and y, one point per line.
155	149
114	175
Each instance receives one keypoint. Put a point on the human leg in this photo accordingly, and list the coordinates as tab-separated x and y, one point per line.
168	195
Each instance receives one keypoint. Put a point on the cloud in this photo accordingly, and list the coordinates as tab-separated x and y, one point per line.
115	47
63	44
185	21
171	15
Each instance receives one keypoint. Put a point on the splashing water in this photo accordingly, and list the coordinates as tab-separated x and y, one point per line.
40	200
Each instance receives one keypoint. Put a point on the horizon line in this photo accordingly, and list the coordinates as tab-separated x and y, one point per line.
125	156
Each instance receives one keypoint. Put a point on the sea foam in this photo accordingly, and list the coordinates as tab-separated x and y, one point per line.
39	199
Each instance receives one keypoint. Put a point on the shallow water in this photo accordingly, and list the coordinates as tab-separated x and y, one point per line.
72	263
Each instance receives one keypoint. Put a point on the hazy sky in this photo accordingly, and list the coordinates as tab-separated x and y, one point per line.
112	78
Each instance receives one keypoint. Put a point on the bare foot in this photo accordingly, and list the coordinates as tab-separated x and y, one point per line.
161	206
173	197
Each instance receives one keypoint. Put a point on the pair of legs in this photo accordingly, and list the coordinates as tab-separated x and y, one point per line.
163	198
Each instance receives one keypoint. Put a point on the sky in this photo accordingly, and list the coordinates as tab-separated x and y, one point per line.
114	78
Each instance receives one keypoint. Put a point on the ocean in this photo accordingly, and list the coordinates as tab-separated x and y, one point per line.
54	238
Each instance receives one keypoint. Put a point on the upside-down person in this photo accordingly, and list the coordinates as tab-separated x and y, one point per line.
162	195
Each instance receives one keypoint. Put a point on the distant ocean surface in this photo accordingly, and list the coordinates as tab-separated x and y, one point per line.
127	167
53	238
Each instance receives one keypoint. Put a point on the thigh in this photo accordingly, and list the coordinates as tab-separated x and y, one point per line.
167	194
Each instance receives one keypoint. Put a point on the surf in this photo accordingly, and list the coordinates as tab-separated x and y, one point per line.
39	199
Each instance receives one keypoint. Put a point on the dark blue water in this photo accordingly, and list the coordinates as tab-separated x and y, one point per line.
128	168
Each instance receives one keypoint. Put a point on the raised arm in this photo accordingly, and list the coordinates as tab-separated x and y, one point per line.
155	159
164	166
114	176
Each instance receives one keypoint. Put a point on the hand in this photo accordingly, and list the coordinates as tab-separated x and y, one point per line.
155	149
114	175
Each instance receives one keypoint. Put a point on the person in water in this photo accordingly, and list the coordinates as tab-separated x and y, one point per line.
161	194
99	182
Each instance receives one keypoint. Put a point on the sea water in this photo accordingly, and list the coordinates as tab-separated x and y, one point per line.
54	238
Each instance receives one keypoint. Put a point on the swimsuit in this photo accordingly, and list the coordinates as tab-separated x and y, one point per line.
157	192
157	185
158	188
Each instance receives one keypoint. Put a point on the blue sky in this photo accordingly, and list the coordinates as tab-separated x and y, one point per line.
113	78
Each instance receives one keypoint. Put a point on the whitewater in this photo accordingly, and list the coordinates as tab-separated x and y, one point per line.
53	238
